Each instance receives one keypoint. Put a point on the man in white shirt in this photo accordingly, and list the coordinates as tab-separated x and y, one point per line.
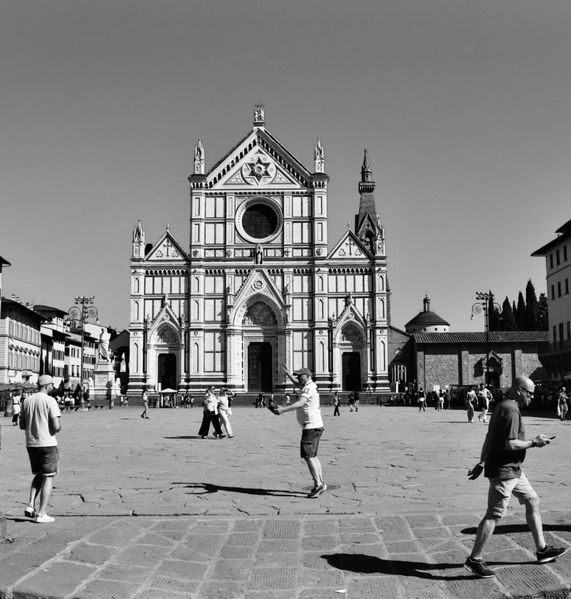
41	419
309	417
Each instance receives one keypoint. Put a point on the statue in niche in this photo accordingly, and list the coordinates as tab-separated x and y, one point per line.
259	114
259	314
259	254
349	299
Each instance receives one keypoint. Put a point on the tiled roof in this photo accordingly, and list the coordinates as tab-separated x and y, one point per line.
480	337
427	318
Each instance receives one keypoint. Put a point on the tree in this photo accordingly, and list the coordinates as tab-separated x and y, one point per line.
508	319
542	313
520	312
531	316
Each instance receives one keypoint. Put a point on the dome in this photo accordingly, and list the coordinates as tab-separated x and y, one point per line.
427	321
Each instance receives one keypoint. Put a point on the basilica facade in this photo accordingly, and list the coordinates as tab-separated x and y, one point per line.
259	285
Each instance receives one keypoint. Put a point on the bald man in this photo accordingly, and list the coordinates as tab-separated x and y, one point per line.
501	459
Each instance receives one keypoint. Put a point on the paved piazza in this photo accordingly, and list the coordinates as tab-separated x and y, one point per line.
384	460
146	509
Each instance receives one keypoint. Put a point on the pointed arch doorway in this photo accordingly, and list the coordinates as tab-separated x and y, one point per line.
260	367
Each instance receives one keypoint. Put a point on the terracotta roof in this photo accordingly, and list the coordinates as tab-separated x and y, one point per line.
480	337
428	319
564	232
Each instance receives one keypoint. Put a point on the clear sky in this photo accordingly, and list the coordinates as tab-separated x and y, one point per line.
464	106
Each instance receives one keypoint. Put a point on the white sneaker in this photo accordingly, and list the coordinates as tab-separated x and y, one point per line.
44	519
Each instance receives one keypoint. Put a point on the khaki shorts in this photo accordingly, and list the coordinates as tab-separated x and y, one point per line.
501	490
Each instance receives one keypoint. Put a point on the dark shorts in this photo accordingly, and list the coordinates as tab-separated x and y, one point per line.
44	460
310	442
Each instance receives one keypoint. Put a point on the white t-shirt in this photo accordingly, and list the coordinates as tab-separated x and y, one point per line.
309	416
38	410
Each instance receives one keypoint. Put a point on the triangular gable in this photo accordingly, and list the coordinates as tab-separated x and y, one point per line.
257	285
276	165
348	247
258	169
350	315
166	249
166	315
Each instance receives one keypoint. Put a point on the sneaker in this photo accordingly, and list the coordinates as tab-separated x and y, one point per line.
479	568
316	491
44	519
30	512
550	553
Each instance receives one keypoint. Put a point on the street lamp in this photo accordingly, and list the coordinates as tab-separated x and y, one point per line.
485	302
78	315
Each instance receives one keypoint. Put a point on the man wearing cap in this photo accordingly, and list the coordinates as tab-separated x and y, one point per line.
309	417
41	419
501	459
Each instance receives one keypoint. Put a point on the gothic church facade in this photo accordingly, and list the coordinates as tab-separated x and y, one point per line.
258	287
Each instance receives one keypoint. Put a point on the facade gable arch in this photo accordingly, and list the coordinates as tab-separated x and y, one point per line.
258	309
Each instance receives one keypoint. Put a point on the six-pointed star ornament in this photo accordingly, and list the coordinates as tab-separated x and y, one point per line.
259	169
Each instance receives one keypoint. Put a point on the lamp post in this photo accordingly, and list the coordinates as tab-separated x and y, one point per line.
78	315
485	301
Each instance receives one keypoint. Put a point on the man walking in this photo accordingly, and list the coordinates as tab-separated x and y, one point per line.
309	417
501	459
41	419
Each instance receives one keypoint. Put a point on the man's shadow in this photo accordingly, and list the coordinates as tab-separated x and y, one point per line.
206	488
506	529
368	564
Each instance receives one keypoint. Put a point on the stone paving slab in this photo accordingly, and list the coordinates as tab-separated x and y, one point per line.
247	557
146	510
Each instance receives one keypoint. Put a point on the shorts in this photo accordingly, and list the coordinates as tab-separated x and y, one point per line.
501	490
310	442
44	460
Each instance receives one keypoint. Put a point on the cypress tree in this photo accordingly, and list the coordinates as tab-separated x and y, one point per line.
531	315
520	312
508	319
542	313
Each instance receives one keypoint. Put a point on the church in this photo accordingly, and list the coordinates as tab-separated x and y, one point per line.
259	285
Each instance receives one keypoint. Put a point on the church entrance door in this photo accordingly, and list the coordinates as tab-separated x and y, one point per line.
166	374
260	367
351	371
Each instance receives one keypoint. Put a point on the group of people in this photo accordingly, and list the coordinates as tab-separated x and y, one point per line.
501	458
216	410
478	400
440	399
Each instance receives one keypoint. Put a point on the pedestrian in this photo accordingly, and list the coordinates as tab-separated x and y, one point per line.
562	405
309	416
356	399
471	401
41	419
421	400
484	397
351	401
336	404
501	461
210	415
225	411
440	400
16	407
447	398
145	399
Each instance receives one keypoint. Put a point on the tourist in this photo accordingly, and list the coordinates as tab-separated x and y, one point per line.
225	411
309	416
41	419
501	461
210	415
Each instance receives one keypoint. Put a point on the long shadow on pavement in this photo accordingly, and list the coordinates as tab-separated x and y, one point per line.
211	488
367	564
506	529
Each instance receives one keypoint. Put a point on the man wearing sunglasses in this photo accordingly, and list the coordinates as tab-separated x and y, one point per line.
501	461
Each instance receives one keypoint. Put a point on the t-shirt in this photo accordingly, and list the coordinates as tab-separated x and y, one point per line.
38	410
505	424
309	416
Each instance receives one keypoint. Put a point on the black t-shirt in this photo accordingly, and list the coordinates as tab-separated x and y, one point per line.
505	424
